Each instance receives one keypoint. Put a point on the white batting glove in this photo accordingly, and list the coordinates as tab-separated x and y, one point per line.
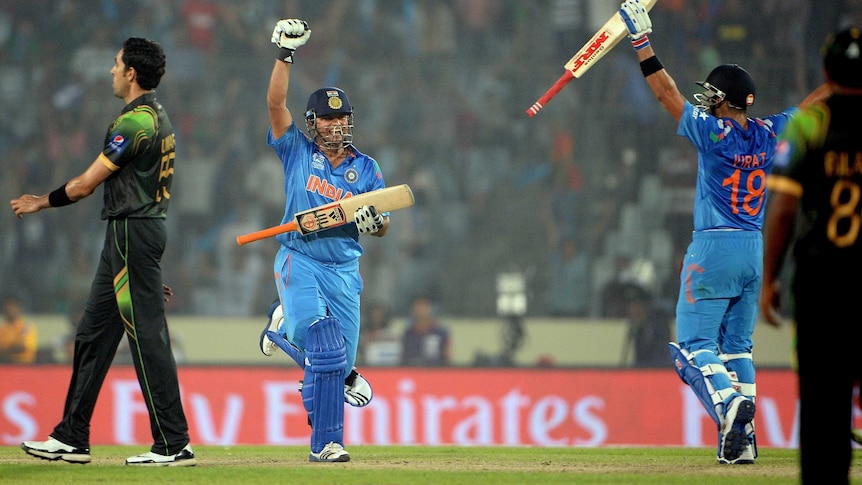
288	35
637	20
368	220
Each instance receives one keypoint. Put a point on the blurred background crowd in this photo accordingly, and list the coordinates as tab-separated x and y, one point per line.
593	193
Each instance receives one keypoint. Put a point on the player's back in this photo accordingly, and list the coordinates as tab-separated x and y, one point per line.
731	185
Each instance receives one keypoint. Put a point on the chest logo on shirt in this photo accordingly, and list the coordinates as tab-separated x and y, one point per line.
351	175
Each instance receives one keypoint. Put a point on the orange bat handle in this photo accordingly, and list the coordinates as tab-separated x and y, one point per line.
564	79
265	233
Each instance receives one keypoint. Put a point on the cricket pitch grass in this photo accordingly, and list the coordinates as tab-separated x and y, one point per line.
417	465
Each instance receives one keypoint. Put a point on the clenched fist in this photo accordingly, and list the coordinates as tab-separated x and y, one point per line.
288	35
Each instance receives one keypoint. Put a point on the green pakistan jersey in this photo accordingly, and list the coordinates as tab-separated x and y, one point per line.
141	146
821	152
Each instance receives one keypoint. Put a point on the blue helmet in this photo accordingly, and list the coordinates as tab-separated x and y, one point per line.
329	101
326	102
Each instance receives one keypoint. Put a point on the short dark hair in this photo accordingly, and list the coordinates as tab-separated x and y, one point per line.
148	59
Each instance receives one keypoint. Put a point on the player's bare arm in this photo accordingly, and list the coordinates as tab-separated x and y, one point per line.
287	35
639	24
663	86
276	99
778	226
75	189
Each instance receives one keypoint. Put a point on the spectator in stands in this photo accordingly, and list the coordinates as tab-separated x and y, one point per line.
426	340
379	344
18	337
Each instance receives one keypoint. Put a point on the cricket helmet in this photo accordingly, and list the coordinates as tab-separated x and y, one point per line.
727	82
842	57
329	101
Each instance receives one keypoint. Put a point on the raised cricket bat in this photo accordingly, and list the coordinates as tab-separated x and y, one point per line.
337	213
602	41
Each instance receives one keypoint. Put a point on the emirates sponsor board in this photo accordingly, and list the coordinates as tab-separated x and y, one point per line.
511	407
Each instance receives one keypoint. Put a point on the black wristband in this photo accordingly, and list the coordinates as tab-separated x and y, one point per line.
58	198
651	65
285	55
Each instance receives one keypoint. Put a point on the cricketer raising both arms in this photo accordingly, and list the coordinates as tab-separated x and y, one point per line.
721	275
136	169
317	274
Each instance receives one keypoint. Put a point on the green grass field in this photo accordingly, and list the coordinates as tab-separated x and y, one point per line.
379	465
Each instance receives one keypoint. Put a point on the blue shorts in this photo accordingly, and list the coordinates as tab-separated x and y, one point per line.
310	290
719	291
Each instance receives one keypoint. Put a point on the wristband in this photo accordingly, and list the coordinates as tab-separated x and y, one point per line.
58	198
640	43
285	55
651	65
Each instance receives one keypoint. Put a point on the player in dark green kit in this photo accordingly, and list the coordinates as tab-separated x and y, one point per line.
127	296
815	206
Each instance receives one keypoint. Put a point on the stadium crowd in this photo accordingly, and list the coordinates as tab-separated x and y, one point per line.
440	89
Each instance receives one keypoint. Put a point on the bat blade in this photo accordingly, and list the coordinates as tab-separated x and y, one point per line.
338	213
609	35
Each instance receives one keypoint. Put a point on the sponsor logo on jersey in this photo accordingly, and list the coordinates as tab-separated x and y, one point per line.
117	142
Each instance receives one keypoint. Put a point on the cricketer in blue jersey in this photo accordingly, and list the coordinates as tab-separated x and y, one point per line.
721	275
317	276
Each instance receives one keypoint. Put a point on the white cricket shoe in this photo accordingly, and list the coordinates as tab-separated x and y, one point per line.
276	316
331	453
733	437
357	390
54	449
186	457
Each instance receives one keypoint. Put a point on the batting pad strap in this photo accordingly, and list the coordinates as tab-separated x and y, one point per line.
747	390
288	348
713	369
728	357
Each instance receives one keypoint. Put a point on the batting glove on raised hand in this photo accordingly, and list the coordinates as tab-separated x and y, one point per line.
288	35
637	20
368	220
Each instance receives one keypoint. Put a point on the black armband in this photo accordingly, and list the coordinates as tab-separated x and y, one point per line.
285	55
651	65
58	198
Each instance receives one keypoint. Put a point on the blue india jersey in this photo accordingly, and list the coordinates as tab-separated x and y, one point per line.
732	167
310	181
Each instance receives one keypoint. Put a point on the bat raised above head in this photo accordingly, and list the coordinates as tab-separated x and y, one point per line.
599	44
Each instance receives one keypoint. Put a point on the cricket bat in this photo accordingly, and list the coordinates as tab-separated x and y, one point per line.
609	35
337	213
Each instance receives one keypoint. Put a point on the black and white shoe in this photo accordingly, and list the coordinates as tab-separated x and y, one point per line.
54	449
733	437
331	453
186	457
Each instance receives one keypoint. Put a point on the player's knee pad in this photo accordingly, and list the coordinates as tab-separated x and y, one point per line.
323	383
700	379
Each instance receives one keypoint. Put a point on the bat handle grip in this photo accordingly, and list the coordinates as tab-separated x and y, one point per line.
265	233
550	93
